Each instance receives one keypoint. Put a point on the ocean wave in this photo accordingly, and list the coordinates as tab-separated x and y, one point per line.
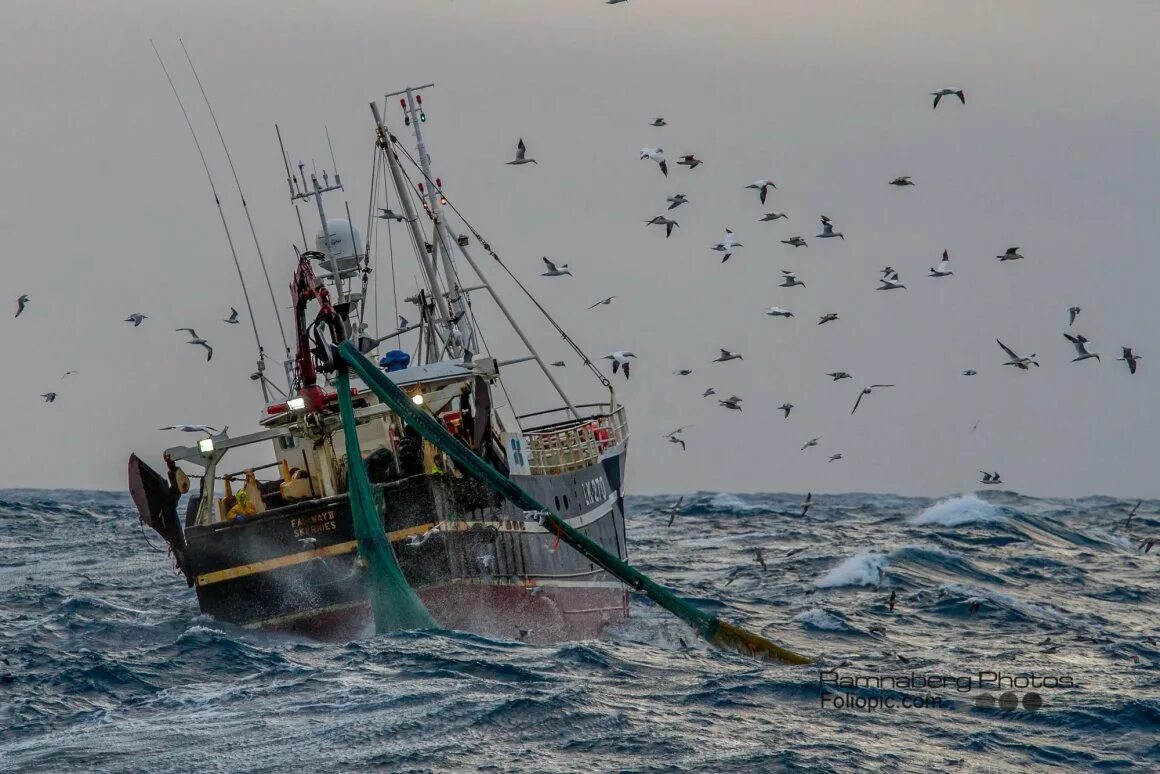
956	511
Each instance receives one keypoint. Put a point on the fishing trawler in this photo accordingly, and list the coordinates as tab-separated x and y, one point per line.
273	546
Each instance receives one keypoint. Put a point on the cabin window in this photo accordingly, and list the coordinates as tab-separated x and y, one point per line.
557	502
565	502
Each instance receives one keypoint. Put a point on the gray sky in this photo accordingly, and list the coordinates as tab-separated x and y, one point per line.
106	211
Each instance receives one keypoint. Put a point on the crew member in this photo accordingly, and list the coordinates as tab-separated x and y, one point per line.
243	508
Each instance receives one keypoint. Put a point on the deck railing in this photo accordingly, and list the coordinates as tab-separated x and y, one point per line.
575	443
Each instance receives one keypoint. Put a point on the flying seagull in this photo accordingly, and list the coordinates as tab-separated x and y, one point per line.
198	340
657	155
690	161
1130	358
970	372
866	391
191	429
786	407
1080	342
67	374
901	181
835	457
727	244
829	317
726	356
674	510
677	201
1012	254
403	322
759	557
708	392
49	397
796	241
944	267
21	303
522	154
947	93
682	372
891	282
990	478
789	280
811	442
807	503
603	302
773	216
658	121
762	187
777	311
136	318
732	402
233	318
553	270
828	230
1022	363
559	364
620	359
668	223
674	438
838	375
388	214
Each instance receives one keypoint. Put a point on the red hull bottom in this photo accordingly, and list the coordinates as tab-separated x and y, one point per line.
540	615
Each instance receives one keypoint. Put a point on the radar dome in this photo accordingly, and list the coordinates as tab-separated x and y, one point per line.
344	239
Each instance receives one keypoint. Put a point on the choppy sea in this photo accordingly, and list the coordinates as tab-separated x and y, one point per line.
1024	638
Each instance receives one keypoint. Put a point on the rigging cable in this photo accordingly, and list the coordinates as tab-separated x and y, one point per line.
241	195
218	201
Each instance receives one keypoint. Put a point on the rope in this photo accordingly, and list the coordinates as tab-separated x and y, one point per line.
487	247
242	196
217	201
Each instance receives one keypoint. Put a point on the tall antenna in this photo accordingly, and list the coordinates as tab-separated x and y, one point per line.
225	226
250	220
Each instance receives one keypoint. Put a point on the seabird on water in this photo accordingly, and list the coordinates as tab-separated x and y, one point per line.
1022	363
785	407
668	223
777	311
796	241
620	359
947	93
677	201
866	391
136	318
521	155
789	280
726	356
1130	358
657	155
901	181
762	187
944	267
1080	342
553	270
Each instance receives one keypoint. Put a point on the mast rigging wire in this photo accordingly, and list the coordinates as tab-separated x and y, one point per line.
217	200
241	195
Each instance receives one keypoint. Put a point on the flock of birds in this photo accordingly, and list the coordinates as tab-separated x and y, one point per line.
136	318
889	280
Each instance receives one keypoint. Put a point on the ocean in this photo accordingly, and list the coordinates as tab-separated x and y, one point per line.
1024	637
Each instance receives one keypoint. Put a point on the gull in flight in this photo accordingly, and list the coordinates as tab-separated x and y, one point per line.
553	270
1072	313
990	478
835	457
1022	363
726	356
674	510
657	155
658	121
603	302
199	341
674	438
682	372
559	364
388	214
901	181
690	161
727	245
49	397
192	429
521	155
866	391
970	372
828	230
1012	254
887	271
1130	358
21	303
403	322
829	317
807	503
1080	342
668	223
762	187
777	311
620	359
948	93
796	241
733	403
773	216
708	392
789	279
838	375
786	407
136	318
67	374
944	267
233	318
677	201
891	282
811	442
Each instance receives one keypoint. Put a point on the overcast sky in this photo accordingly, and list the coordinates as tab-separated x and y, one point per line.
106	211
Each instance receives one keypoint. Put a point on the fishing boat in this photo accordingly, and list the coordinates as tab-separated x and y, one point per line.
273	546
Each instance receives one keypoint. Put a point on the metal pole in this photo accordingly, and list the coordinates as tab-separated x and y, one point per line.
326	239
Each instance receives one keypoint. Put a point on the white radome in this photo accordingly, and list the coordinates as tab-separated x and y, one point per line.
341	243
